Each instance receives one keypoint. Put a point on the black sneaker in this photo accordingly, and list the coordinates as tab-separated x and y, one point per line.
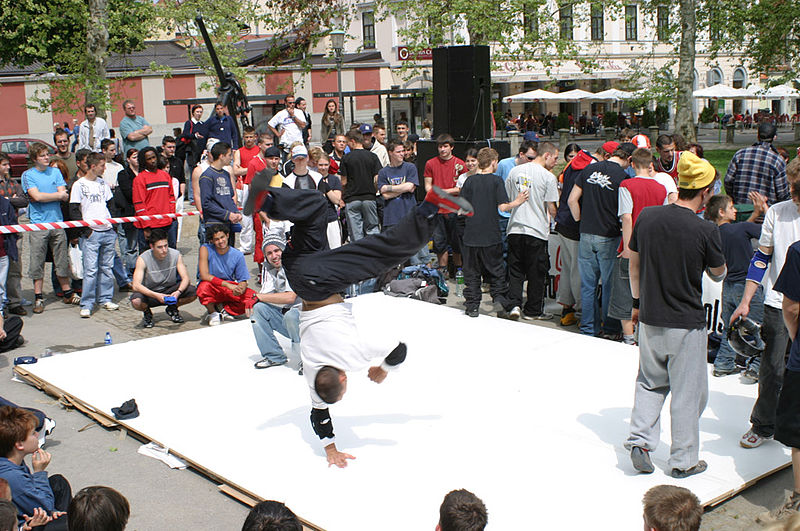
641	460
266	364
18	310
472	312
147	319
174	314
677	473
725	372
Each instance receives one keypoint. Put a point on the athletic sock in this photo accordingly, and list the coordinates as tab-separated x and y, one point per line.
628	339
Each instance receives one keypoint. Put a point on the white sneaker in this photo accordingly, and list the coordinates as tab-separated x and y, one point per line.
214	319
111	306
515	313
86	313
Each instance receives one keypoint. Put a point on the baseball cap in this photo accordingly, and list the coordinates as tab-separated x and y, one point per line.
272	151
365	128
693	172
610	146
299	151
628	147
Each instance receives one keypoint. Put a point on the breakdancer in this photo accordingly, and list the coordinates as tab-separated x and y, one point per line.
330	342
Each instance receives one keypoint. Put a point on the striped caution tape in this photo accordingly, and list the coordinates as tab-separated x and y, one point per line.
34	227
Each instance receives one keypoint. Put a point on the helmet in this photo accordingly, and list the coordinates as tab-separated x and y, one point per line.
744	337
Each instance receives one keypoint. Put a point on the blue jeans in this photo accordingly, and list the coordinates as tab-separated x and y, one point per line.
128	236
4	261
731	295
362	218
596	258
172	237
98	262
268	319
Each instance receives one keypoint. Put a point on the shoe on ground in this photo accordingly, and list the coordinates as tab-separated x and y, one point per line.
448	202
147	319
725	372
789	508
266	364
86	313
74	299
700	467
126	288
38	306
752	440
20	341
749	377
472	312
540	317
18	310
214	319
612	337
225	316
110	306
515	313
485	288
568	318
174	314
640	458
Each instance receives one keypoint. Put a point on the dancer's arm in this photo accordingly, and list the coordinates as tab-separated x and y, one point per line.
323	427
395	358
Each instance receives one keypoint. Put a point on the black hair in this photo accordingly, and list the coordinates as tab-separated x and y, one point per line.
271	516
219	149
98	509
327	384
211	230
156	235
571	148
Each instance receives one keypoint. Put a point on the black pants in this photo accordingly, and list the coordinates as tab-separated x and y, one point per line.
489	261
12	327
527	260
62	492
316	272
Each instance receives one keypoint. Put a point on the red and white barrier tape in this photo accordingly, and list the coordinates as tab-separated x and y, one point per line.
34	227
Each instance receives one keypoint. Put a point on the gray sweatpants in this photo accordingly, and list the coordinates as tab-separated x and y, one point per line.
670	359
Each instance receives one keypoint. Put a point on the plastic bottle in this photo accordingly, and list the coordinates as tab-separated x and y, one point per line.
107	339
459	282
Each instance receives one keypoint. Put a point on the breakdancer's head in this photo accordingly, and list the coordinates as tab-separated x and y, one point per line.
330	384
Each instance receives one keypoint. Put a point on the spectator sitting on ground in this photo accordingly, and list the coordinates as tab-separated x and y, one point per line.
98	509
223	276
160	274
461	510
671	508
271	516
30	491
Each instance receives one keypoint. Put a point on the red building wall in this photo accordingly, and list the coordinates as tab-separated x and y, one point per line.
179	88
15	116
367	79
322	81
122	90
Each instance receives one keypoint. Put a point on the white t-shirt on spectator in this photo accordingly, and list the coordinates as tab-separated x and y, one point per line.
781	229
92	196
292	133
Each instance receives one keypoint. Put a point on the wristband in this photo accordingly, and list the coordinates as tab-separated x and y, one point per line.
758	266
635	304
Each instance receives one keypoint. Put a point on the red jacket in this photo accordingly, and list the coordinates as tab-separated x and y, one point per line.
152	194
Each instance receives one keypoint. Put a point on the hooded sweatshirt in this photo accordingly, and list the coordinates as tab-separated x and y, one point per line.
28	490
565	223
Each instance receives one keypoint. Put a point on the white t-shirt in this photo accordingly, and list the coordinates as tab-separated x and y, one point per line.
292	133
531	217
110	175
462	179
668	182
781	229
92	196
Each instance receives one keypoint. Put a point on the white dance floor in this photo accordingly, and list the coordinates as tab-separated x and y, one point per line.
530	419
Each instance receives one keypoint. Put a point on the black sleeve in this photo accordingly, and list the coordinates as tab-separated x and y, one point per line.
397	356
75	211
321	422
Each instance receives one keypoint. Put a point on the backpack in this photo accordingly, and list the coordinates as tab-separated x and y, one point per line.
428	274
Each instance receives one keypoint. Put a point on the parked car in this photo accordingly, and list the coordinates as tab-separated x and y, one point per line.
17	151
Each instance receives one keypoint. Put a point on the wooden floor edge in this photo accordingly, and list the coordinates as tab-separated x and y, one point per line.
229	488
733	492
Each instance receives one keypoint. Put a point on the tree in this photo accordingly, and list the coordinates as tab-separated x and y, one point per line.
684	121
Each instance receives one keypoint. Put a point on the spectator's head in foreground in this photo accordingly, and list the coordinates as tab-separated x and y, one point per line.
271	516
671	508
98	509
461	510
17	432
8	516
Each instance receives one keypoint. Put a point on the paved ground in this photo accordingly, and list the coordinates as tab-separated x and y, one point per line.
161	498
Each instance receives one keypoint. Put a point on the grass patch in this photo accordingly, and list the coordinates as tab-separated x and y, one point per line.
720	158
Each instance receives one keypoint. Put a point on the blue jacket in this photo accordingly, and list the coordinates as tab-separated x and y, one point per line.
29	491
8	216
216	196
222	128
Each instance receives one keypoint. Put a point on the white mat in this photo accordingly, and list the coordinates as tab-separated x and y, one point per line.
530	419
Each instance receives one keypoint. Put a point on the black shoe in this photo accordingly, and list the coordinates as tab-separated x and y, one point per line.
472	312
18	310
147	319
256	187
677	473
726	372
502	314
266	364
641	460
19	342
174	314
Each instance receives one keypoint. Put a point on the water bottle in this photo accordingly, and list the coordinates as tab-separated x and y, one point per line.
107	339
459	282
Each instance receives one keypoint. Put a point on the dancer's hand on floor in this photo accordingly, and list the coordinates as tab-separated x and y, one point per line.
335	457
376	374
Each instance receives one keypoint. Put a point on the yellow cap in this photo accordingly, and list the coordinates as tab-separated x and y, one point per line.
693	172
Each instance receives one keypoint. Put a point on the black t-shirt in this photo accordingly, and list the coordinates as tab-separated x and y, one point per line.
738	248
600	201
360	167
788	283
485	192
675	247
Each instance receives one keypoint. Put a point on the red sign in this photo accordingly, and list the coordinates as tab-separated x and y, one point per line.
404	54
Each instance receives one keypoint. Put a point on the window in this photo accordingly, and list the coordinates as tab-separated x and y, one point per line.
663	23
531	26
631	23
739	78
597	22
714	77
565	19
368	28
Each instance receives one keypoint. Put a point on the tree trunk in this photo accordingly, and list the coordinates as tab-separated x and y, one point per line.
684	117
96	53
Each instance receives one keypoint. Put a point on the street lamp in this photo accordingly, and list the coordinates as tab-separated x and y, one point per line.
337	43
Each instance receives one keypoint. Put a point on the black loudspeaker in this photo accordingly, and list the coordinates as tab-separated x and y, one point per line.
427	149
462	92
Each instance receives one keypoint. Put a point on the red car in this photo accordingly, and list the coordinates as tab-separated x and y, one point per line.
17	151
